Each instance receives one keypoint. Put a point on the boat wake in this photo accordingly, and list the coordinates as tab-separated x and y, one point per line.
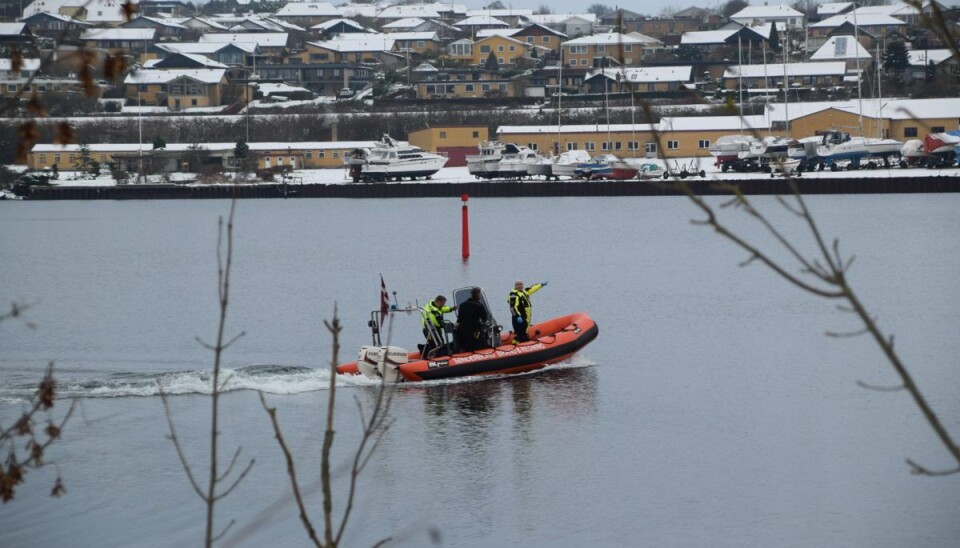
272	379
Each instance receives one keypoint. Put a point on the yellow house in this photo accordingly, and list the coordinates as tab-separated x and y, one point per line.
364	48
416	42
608	49
539	35
505	49
176	88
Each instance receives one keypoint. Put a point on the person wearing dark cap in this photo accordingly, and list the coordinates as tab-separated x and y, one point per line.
521	310
470	323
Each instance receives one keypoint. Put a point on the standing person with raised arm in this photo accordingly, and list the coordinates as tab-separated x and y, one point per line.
521	310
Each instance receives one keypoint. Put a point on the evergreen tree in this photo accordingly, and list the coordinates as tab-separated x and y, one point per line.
774	38
492	64
895	58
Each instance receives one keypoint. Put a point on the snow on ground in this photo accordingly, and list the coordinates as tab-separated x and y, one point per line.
461	175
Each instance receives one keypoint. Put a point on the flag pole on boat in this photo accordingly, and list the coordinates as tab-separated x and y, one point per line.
465	244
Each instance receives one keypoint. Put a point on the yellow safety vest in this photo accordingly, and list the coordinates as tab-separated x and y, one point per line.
435	314
519	301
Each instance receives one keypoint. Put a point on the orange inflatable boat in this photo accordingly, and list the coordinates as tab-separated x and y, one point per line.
550	342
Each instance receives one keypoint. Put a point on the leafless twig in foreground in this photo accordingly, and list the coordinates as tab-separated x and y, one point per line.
214	492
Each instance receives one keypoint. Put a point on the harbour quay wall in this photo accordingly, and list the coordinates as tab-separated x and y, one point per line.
498	189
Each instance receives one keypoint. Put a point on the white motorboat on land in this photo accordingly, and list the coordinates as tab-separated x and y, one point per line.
501	160
650	170
727	148
390	159
543	167
516	161
566	164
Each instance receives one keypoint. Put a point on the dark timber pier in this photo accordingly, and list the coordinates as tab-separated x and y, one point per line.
495	189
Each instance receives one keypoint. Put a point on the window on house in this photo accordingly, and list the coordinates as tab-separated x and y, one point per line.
583	62
628	47
605	146
531	39
443	134
591	146
421	43
193	102
484	87
513	48
545	39
650	148
617	145
601	49
502	87
43	158
703	143
484	49
336	154
11	88
572	146
673	145
499	49
532	146
309	154
633	145
468	88
321	154
501	61
476	134
56	158
910	132
936	129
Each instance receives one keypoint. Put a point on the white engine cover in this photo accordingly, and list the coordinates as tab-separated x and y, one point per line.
381	362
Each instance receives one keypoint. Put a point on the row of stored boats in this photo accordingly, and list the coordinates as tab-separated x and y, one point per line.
832	149
391	160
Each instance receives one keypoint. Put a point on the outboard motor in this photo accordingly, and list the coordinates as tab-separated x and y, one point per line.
384	362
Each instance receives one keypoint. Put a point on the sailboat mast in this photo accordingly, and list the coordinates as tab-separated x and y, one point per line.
559	99
879	96
786	86
740	73
856	37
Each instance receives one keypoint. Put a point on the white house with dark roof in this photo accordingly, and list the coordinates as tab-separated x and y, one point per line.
781	14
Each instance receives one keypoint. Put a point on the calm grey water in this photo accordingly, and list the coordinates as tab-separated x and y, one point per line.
711	411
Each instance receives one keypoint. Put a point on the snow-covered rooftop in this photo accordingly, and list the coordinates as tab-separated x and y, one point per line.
481	20
926	56
646	75
861	20
826	68
118	34
766	12
358	42
575	128
148	76
604	39
840	47
263	39
712	123
308	9
830	9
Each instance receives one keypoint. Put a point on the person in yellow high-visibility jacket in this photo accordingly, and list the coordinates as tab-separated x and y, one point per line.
521	310
433	313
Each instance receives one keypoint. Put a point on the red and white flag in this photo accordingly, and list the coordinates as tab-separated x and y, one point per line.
384	301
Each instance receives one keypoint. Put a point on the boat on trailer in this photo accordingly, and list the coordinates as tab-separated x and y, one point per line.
551	341
392	160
